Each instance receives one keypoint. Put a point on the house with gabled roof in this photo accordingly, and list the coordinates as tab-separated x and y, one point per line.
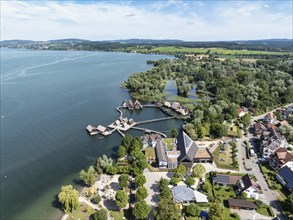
225	179
137	105
190	153
161	154
270	117
248	185
280	157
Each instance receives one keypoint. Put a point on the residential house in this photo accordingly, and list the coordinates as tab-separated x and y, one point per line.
247	185
224	179
185	194
279	158
241	111
190	152
285	177
259	128
241	204
270	118
161	154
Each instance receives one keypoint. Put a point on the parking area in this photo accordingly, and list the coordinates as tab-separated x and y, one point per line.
152	178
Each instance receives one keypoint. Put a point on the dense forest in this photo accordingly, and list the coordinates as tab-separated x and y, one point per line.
259	86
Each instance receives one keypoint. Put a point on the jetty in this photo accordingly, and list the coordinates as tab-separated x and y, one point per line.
123	124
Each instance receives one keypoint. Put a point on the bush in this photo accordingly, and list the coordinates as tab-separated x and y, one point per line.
100	215
96	199
193	210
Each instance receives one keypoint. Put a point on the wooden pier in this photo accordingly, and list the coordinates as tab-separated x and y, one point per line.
124	124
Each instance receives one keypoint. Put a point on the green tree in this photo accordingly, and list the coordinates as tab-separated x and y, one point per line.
104	161
174	133
180	171
141	210
112	170
175	180
141	193
101	214
198	170
121	151
96	199
193	210
219	130
140	180
202	132
138	162
190	181
216	211
68	198
121	198
123	181
88	177
166	209
126	141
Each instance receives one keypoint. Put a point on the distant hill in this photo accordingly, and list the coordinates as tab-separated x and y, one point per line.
277	45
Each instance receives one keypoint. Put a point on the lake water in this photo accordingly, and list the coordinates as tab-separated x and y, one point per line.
47	100
171	90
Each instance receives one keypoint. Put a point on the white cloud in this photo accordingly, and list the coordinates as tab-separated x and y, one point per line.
100	21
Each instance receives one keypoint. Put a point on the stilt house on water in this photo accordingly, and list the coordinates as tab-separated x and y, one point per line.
91	130
130	105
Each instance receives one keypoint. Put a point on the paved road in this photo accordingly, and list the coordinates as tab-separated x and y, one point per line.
249	214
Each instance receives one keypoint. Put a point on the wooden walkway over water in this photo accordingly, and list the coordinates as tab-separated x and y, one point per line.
119	129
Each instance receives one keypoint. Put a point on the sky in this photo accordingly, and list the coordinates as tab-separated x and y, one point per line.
191	20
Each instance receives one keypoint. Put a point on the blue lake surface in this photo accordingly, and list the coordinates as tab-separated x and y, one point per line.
47	100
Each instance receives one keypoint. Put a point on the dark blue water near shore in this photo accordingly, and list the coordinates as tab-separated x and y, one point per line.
47	99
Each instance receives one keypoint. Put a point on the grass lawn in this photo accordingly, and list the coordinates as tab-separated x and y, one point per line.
181	99
264	211
224	192
83	212
270	176
150	153
229	215
223	159
118	215
215	51
169	143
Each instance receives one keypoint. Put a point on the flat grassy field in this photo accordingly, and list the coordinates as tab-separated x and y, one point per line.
215	51
223	159
83	212
169	143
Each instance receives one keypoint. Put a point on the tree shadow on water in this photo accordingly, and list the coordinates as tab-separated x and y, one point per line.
55	203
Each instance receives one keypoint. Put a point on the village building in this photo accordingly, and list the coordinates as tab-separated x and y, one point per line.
259	128
285	177
270	118
224	179
167	104
161	154
150	140
190	152
241	204
137	105
248	185
184	194
242	111
91	130
279	158
175	106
